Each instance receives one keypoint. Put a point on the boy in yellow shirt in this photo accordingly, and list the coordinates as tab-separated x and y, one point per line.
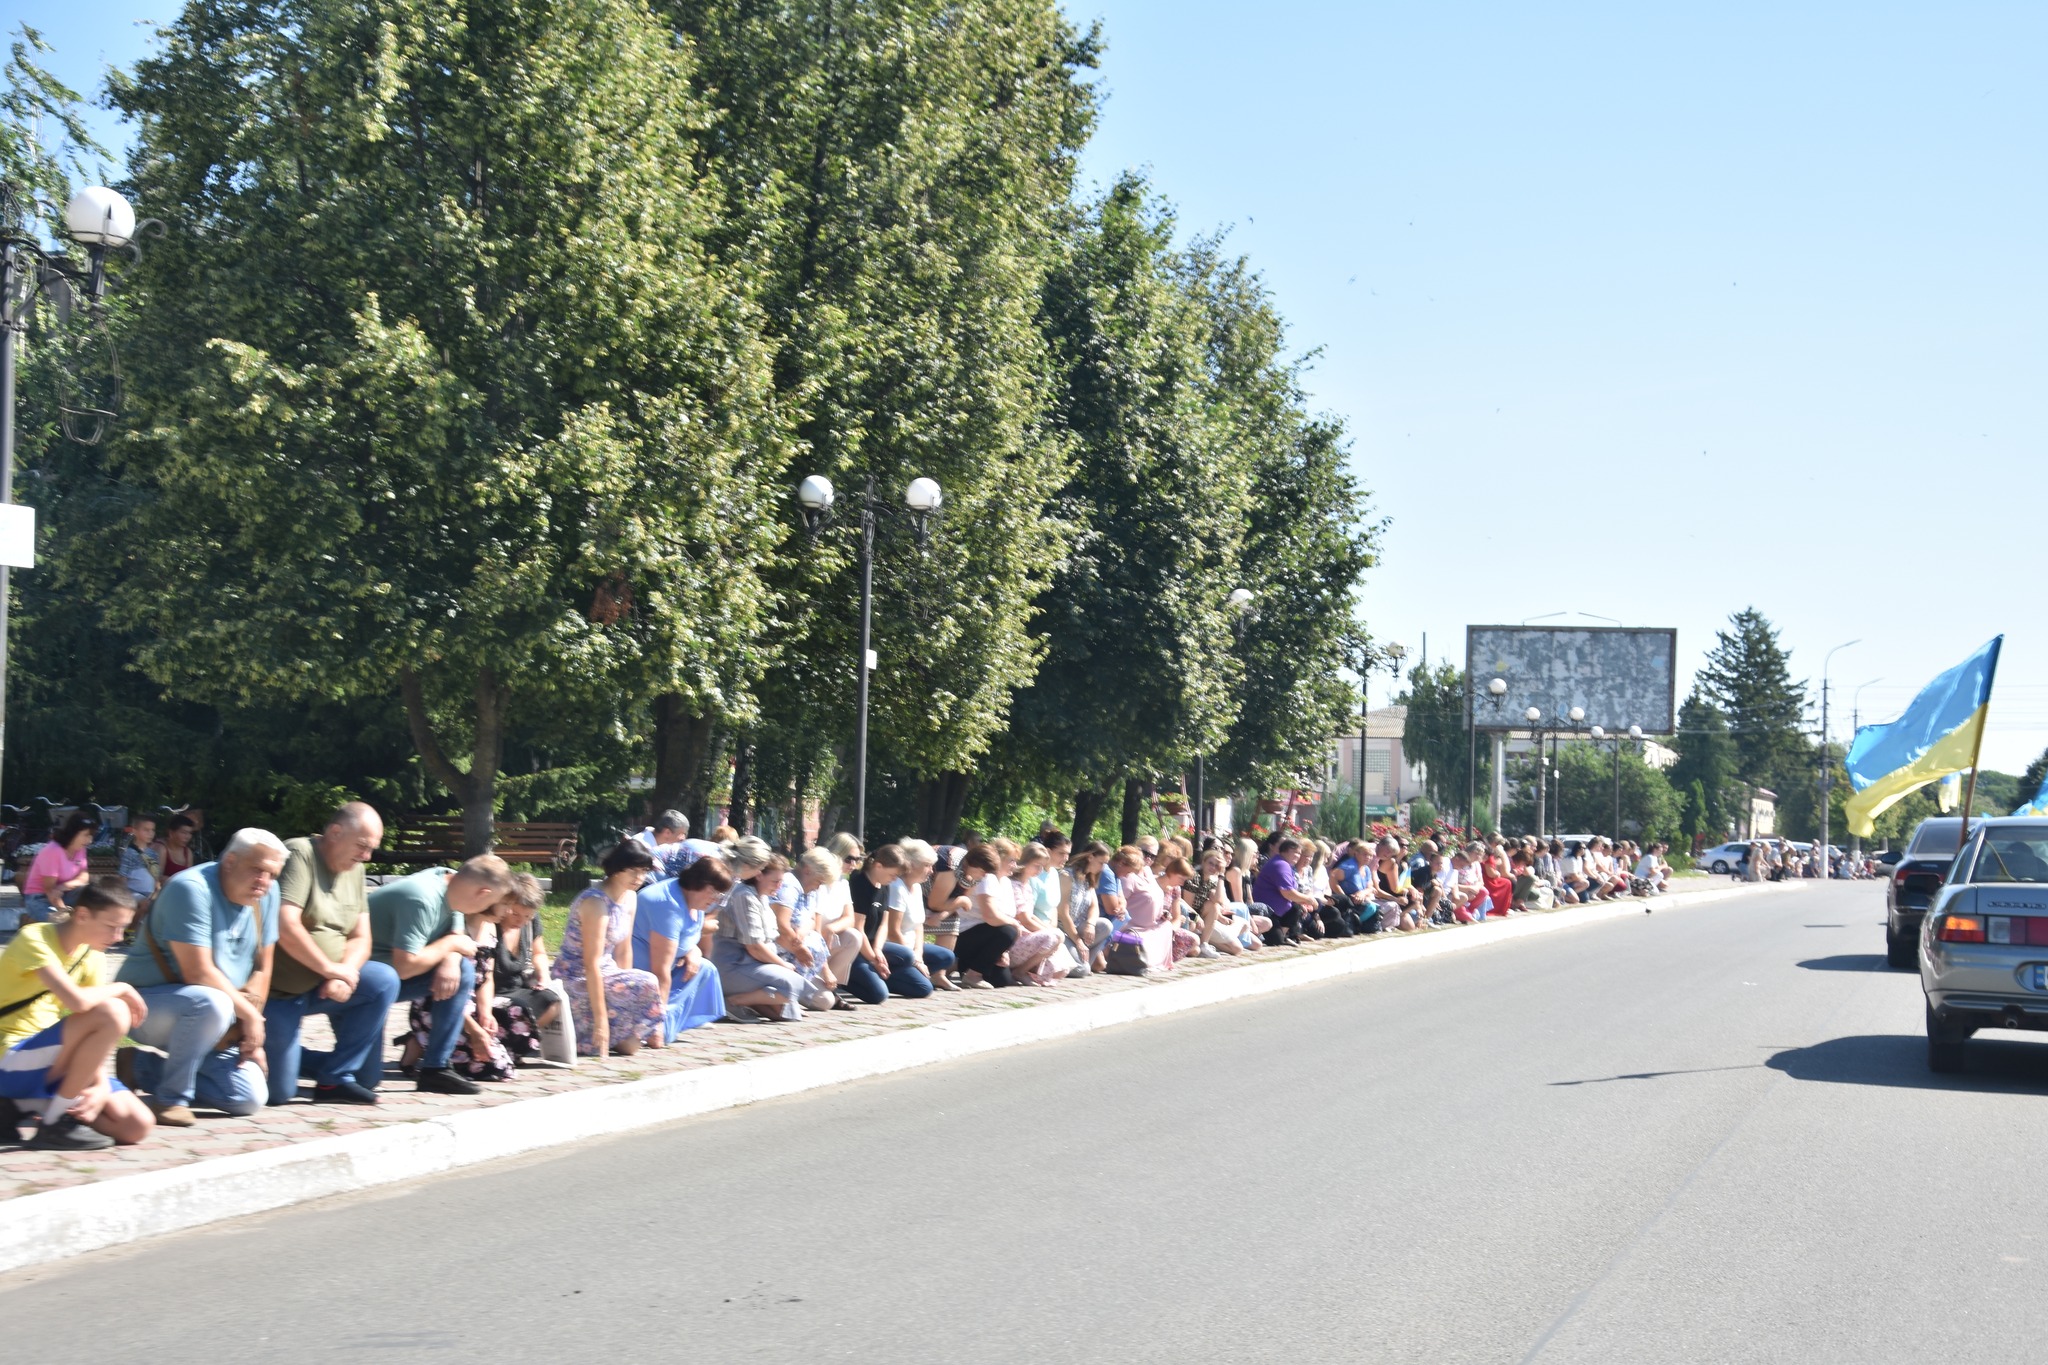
60	1021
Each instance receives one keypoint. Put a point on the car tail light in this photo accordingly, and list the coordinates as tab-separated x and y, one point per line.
2037	929
1961	929
1998	929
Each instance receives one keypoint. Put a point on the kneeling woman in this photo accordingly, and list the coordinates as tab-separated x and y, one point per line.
758	985
993	946
614	1004
668	927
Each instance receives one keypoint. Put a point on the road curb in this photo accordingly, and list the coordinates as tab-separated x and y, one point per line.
36	1229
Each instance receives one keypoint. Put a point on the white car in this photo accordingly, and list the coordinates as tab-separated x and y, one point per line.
1722	858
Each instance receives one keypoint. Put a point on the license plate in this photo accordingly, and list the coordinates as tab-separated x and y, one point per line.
2035	977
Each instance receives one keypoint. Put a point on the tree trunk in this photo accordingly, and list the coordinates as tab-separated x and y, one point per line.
1088	805
679	742
477	789
739	812
1134	793
940	800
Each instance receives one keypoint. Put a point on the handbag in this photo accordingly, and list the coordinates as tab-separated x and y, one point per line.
230	1040
1126	955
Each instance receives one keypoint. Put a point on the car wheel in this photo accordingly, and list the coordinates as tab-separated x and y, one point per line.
1721	867
1900	952
1944	1045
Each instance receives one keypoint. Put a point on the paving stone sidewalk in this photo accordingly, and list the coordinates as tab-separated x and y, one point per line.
27	1172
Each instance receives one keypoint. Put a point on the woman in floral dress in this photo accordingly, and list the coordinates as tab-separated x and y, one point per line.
614	1004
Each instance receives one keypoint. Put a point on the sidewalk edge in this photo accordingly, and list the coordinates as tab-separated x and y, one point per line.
36	1229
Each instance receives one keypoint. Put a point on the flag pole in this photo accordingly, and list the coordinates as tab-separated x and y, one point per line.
1970	783
1977	749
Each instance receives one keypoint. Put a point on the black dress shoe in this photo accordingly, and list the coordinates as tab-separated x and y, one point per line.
439	1080
344	1092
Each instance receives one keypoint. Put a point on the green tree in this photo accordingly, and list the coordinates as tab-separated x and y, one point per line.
1584	797
439	397
2030	781
898	174
1309	536
1136	626
44	143
1705	768
1437	739
1748	676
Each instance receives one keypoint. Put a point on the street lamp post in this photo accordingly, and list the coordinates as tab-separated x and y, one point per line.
922	499
1574	720
1827	759
1635	732
1395	652
1240	604
1496	693
101	221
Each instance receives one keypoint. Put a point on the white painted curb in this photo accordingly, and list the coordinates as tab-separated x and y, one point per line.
38	1228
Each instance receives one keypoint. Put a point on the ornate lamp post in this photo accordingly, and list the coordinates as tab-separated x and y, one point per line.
922	499
101	221
1496	693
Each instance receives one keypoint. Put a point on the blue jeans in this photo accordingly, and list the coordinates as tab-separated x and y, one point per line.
358	1035
446	1030
905	981
865	984
186	1022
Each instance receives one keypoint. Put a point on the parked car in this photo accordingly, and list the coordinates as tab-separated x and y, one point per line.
1723	858
1984	942
1914	882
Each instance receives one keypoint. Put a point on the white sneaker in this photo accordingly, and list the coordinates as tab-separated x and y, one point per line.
1209	950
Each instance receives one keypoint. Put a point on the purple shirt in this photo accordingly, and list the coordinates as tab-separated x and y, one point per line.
1276	876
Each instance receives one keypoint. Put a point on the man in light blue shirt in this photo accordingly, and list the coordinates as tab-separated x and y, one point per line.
201	962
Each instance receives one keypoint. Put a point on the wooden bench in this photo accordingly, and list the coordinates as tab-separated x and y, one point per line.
430	840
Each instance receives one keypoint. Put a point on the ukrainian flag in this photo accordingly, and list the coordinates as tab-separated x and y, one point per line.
1939	734
2037	806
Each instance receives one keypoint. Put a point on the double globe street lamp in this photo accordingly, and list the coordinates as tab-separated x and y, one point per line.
101	221
1635	732
1572	720
922	499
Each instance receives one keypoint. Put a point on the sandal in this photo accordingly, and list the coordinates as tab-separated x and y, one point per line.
840	1002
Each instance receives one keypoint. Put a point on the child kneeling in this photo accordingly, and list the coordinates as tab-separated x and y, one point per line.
60	1022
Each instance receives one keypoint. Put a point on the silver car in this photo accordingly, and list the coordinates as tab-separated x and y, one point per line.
1984	942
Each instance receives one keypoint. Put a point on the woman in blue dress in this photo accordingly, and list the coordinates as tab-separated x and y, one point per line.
667	927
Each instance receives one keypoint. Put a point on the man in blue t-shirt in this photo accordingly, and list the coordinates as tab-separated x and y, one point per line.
201	962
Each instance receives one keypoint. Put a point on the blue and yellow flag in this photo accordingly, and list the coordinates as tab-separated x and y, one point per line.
2038	805
1938	735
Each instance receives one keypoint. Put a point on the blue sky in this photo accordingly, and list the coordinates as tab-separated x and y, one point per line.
1650	312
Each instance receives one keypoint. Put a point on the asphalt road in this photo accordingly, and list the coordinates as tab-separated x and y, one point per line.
1702	1135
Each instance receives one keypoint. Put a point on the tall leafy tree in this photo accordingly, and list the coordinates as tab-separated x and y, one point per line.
2030	781
441	399
1705	769
898	172
1310	537
1748	676
1435	737
1138	673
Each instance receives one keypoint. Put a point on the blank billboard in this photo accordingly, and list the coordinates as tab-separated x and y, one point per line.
1620	677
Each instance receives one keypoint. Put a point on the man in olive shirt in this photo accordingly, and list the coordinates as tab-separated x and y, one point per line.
417	929
324	967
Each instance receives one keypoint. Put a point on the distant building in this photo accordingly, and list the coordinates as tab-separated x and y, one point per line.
1391	781
1757	813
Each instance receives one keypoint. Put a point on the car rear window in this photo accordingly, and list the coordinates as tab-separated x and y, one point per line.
1937	836
2018	856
